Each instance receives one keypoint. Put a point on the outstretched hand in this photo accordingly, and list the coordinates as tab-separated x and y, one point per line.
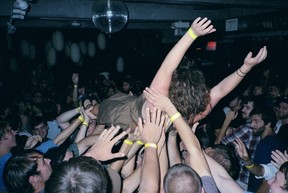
153	126
278	158
252	61
241	149
157	99
202	27
101	150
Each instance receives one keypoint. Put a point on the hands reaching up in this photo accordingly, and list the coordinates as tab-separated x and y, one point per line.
252	61
202	27
101	150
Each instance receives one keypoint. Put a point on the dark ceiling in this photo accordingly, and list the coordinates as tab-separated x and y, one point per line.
252	15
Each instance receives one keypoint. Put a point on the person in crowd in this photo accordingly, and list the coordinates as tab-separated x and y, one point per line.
7	142
27	172
283	117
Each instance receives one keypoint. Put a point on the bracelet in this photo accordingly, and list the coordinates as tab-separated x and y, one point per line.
85	123
75	85
242	71
176	115
239	74
154	145
191	33
128	142
250	166
81	118
140	142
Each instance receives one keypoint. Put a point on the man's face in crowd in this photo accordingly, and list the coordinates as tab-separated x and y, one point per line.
41	130
257	124
277	183
9	138
247	108
282	110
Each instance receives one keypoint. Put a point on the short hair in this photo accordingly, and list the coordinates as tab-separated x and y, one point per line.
17	171
181	178
81	174
36	120
56	155
284	168
4	128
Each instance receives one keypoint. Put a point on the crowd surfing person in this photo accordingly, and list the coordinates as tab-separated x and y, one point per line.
179	80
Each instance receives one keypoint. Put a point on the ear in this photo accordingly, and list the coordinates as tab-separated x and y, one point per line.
33	180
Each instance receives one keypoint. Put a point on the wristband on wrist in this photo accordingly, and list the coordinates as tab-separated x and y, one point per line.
85	123
242	71
140	142
250	166
128	142
240	74
191	33
175	116
81	118
154	145
75	85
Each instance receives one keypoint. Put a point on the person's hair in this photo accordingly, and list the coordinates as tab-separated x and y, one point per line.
181	178
4	127
267	114
82	175
225	155
36	120
284	168
188	91
17	171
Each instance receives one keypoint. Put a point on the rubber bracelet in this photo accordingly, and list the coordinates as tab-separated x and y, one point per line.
191	33
175	116
154	145
85	123
250	166
140	142
128	142
81	118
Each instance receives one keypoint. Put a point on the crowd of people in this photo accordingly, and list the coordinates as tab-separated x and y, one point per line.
173	136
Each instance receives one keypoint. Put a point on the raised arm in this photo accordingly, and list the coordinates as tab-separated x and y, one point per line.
162	79
151	132
197	159
230	82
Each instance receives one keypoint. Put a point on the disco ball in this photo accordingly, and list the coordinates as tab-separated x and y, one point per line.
109	16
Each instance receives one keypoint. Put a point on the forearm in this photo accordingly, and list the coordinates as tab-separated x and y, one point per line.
254	168
64	118
131	183
223	131
149	181
173	151
163	163
87	142
227	84
133	150
61	137
117	165
163	77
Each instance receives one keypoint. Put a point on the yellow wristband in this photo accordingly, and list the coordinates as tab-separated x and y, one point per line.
81	118
251	166
191	33
85	123
175	116
154	145
140	142
128	142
